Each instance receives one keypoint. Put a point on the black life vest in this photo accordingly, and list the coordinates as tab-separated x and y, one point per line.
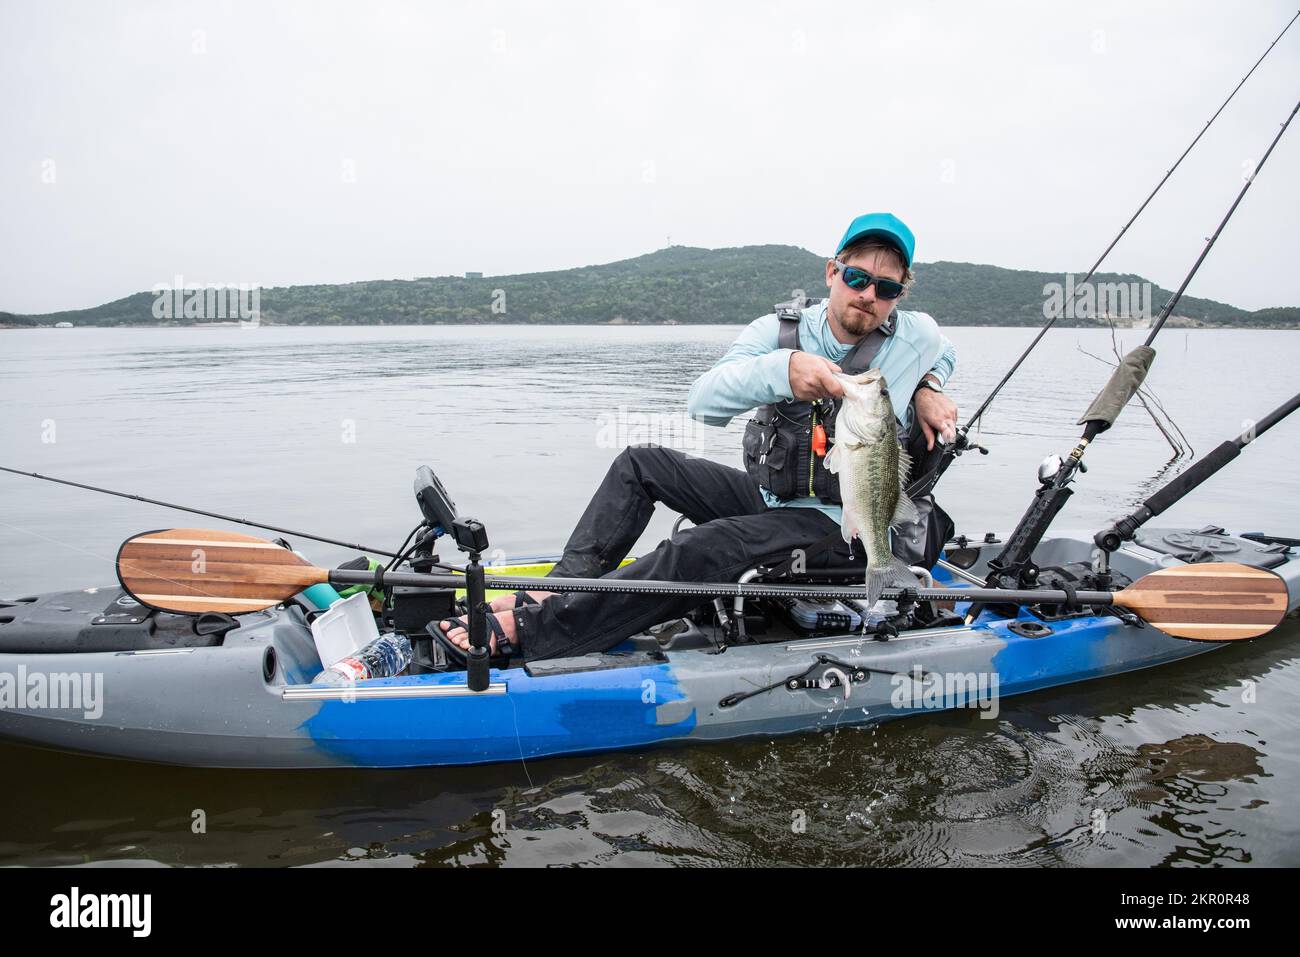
779	439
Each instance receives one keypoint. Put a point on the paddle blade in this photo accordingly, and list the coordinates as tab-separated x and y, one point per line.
194	570
1210	601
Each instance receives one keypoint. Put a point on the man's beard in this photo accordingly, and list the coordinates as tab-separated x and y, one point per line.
858	322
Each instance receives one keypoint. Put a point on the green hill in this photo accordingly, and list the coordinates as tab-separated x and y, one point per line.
678	284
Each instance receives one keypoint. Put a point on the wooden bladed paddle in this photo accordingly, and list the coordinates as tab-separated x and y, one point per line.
192	571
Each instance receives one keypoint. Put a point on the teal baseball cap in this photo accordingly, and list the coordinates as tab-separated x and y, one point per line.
888	227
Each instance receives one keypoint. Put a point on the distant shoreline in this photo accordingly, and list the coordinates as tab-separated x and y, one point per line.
676	284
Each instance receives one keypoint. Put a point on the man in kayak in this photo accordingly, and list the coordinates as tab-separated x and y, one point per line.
744	518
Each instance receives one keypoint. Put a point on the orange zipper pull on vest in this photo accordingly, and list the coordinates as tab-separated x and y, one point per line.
819	440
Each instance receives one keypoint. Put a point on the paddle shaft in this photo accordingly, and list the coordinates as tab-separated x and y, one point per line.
624	586
1170	606
196	570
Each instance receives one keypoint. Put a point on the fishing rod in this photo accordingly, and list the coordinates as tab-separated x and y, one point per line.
1013	566
199	511
927	481
1114	242
1122	530
1167	311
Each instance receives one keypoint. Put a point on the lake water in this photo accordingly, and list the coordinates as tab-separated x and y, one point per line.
322	429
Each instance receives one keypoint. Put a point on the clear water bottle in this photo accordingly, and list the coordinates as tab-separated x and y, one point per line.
386	656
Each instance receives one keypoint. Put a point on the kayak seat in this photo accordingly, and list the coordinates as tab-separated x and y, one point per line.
99	620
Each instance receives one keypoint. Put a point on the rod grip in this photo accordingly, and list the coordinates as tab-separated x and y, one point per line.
1194	476
1121	531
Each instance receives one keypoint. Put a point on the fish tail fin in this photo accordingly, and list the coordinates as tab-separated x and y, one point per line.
875	584
894	574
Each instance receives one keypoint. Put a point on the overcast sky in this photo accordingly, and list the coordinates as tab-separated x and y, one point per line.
285	143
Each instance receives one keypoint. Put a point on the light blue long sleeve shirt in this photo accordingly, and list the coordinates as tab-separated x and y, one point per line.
755	371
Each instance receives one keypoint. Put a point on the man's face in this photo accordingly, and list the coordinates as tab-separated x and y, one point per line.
859	312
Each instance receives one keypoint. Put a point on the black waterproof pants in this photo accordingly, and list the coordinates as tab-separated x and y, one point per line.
733	530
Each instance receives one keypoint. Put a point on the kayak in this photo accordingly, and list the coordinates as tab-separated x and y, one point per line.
92	671
224	677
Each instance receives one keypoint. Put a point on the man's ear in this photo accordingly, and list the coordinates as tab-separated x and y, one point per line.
830	273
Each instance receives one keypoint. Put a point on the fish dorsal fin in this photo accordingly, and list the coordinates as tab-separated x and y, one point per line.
904	467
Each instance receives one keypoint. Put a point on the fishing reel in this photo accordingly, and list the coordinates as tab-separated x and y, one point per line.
930	464
961	442
1051	467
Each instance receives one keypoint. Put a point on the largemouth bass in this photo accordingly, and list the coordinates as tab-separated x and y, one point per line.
872	469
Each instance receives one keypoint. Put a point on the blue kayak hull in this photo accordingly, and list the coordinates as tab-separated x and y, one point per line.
249	701
212	707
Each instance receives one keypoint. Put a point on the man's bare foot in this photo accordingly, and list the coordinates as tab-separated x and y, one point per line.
503	607
460	636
